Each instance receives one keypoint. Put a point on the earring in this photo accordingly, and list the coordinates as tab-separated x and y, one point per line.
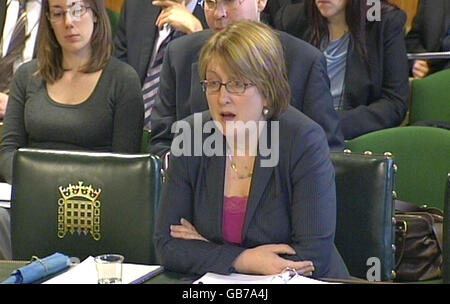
265	112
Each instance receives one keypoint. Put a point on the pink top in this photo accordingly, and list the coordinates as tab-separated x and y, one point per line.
234	209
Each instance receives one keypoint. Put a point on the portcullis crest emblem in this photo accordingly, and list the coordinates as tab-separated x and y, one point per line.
79	210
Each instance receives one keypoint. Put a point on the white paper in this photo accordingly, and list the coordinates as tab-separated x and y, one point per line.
86	273
5	193
234	278
6	205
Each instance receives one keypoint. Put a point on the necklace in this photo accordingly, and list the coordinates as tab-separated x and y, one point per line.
233	166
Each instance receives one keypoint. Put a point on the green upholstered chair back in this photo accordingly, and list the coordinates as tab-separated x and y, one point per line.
446	253
364	229
82	203
430	98
422	155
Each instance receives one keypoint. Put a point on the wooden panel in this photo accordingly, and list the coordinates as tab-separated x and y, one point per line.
410	7
115	5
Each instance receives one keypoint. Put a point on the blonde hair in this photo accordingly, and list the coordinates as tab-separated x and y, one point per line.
252	51
49	53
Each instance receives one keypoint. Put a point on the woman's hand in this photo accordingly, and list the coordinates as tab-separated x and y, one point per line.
266	260
185	231
420	69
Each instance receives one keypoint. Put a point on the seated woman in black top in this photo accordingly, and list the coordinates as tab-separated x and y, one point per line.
75	96
366	60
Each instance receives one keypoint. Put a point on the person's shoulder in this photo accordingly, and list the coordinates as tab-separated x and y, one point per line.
393	12
136	4
297	132
395	16
191	42
293	121
393	23
25	71
138	11
29	67
119	68
121	77
391	17
290	40
297	47
291	18
291	11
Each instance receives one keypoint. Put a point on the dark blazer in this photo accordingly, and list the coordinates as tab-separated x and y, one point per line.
429	29
293	202
376	94
137	34
271	9
180	92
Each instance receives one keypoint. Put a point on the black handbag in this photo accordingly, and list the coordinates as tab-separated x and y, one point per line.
418	241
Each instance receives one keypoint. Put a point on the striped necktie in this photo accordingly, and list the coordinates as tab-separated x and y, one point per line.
151	82
15	49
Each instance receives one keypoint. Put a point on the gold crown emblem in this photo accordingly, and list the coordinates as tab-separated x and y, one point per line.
80	190
79	210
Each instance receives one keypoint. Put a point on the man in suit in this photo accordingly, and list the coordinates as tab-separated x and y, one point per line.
9	16
180	92
139	28
143	29
429	33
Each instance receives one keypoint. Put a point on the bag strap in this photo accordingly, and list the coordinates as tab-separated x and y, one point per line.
402	228
437	230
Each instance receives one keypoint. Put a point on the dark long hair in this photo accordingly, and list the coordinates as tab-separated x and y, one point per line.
49	54
355	17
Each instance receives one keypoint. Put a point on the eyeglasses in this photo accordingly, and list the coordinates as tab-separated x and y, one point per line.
229	4
232	86
76	11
